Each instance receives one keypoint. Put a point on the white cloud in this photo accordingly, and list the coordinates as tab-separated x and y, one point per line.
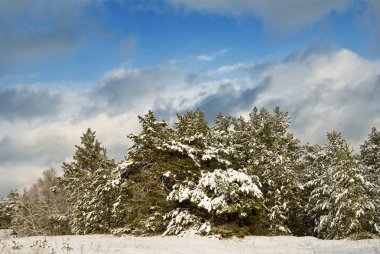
230	68
17	177
326	91
211	57
206	58
29	150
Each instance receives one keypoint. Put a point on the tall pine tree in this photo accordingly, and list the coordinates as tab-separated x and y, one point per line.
340	201
143	189
88	183
274	156
370	159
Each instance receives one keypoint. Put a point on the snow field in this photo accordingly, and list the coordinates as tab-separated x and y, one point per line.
108	244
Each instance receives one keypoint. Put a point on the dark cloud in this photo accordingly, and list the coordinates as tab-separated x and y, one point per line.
191	78
19	47
229	101
28	103
34	30
280	17
130	89
259	70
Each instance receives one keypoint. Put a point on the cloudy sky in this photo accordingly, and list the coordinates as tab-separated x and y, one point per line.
66	65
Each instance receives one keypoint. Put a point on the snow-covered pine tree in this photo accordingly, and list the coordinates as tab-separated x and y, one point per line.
274	155
191	141
88	183
223	202
339	200
220	141
143	187
192	128
167	157
211	192
162	161
242	143
8	209
370	159
312	167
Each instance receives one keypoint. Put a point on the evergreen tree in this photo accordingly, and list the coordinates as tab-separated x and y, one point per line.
312	168
339	201
142	198
274	155
243	143
8	209
88	182
163	161
192	128
370	159
213	181
219	198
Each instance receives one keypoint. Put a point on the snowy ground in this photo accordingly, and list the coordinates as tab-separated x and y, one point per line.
106	244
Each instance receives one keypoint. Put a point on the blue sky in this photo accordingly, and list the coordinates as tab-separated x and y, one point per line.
111	34
67	65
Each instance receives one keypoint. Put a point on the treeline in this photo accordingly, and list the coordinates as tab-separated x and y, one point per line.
240	176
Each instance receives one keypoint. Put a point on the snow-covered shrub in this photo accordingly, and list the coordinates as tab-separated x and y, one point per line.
182	222
221	192
225	195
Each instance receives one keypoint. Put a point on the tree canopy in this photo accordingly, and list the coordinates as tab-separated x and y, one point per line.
238	176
